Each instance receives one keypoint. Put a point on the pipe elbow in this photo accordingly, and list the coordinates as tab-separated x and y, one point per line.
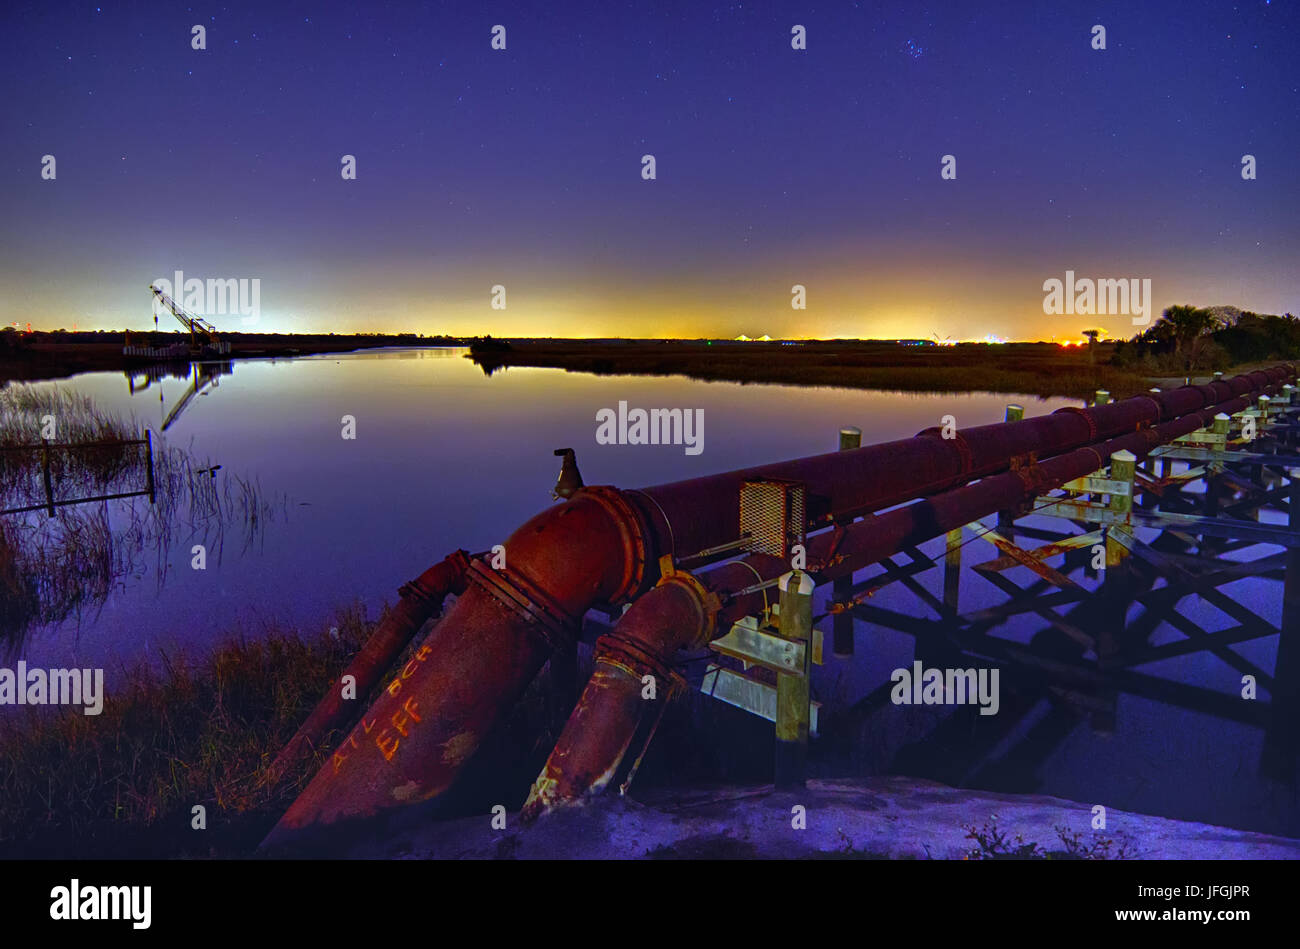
589	549
449	575
680	612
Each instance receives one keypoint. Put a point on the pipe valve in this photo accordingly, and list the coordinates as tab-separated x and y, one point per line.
570	479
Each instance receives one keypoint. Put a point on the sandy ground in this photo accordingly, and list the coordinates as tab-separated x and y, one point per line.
900	818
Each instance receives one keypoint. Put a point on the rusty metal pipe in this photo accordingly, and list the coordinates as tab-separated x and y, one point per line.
681	612
605	720
874	538
475	664
417	601
701	513
677	615
869	540
602	546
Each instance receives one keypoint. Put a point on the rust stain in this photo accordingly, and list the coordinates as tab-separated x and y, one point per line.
458	748
406	792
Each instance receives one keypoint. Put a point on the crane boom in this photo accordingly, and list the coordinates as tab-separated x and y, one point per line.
201	331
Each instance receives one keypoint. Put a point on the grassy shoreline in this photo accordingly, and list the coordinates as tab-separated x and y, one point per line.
1042	369
1046	370
59	356
203	730
194	731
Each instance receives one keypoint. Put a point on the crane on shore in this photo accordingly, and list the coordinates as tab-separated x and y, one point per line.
203	335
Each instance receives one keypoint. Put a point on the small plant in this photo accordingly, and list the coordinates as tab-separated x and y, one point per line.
848	850
995	844
1100	848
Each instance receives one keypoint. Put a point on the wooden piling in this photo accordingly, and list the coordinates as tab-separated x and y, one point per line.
793	695
842	623
45	471
148	459
1281	737
952	569
1007	519
1123	467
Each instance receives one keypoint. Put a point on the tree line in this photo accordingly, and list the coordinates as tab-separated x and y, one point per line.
1188	338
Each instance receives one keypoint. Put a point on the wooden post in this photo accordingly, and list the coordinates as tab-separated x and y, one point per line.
1101	397
1209	546
1290	398
1007	519
1257	471
1113	598
842	623
1149	464
1281	739
1165	464
793	695
952	568
1123	466
148	460
45	466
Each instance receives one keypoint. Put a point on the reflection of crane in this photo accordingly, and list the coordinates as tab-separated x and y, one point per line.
205	375
154	372
203	335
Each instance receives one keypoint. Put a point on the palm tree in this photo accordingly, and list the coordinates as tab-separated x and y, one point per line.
1092	344
1182	324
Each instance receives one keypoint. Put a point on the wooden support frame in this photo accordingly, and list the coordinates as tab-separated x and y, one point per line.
1149	527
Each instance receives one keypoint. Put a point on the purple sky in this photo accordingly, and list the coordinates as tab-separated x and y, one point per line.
774	166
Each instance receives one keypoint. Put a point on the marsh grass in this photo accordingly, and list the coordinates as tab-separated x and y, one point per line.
1044	370
185	732
204	731
24	411
53	568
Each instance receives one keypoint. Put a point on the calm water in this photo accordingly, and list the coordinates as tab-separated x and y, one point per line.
445	457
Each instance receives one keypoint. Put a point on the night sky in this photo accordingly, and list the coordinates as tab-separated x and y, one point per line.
522	167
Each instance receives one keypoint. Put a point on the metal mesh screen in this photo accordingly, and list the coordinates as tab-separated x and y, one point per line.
772	514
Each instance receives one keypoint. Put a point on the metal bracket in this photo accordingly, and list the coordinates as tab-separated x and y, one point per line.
757	698
748	642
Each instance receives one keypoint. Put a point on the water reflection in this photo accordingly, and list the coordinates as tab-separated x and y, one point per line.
200	375
446	457
84	513
443	457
